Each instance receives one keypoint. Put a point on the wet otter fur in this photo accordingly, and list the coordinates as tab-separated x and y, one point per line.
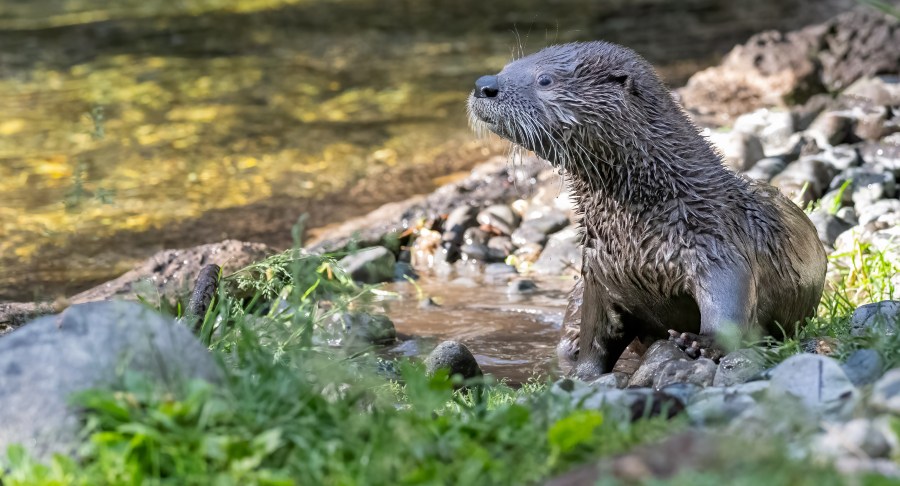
673	240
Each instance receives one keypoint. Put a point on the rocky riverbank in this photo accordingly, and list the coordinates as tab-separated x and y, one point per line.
823	127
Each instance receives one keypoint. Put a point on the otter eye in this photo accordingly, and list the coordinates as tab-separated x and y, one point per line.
544	80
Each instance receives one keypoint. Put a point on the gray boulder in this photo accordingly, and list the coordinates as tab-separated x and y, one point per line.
881	316
87	346
815	382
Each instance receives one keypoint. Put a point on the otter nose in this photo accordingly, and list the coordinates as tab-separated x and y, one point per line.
487	87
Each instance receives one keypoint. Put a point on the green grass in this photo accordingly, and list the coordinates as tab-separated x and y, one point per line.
294	412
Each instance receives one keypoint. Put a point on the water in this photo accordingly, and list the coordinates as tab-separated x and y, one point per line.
133	126
513	337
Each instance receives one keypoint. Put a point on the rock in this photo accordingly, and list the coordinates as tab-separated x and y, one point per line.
738	366
631	404
525	235
881	90
865	185
740	150
833	200
885	469
884	154
526	255
562	253
356	329
14	314
86	346
172	273
499	272
499	217
854	437
546	220
403	271
454	357
871	122
700	372
756	389
521	286
458	221
482	253
475	236
878	317
611	380
767	168
863	366
684	392
657	355
885	241
804	114
841	157
828	226
831	127
716	405
804	180
370	265
817	383
877	209
772	127
769	67
847	215
777	69
501	245
886	393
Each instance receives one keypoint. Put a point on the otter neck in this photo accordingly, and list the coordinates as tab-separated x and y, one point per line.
650	167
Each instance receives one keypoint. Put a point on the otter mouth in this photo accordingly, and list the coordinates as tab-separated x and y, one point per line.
482	119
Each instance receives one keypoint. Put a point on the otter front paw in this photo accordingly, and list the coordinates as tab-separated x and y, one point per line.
696	345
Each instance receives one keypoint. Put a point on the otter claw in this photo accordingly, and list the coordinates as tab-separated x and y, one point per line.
695	345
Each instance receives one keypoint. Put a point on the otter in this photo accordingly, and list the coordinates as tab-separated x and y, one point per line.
674	243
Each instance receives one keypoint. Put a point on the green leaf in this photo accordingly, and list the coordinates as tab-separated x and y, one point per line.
577	428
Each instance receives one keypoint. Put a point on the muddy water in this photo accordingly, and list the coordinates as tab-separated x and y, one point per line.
513	337
132	126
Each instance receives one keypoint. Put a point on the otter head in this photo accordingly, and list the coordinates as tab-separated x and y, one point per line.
568	103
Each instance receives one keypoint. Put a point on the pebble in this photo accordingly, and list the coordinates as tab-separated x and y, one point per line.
863	366
828	226
738	366
500	217
657	355
767	168
561	255
700	372
740	150
525	235
454	357
886	393
521	286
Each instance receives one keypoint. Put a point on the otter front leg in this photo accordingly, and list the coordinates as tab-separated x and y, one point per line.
603	336
727	301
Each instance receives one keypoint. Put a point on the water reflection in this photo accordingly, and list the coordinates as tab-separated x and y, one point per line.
136	125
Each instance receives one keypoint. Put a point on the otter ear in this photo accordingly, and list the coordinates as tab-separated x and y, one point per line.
624	79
